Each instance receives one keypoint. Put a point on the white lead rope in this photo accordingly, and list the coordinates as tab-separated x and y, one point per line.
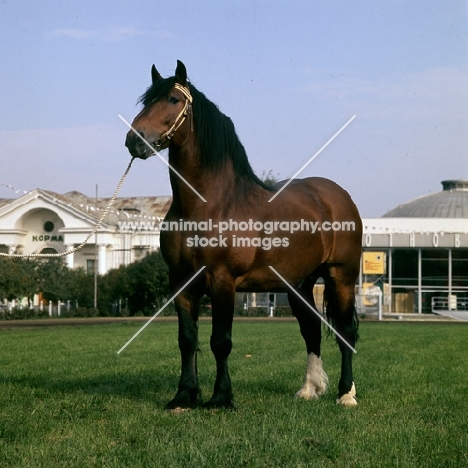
98	225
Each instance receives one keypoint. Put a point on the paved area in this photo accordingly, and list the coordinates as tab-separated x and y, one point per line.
454	314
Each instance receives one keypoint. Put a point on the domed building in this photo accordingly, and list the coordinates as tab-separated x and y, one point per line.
452	202
417	253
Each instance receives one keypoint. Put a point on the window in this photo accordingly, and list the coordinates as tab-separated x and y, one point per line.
435	267
460	267
49	226
405	267
48	250
90	265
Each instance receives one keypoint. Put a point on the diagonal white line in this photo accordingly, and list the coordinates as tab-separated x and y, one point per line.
161	309
160	157
312	158
313	310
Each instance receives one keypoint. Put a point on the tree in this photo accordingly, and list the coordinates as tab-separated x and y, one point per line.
113	289
148	282
51	279
143	286
269	179
18	278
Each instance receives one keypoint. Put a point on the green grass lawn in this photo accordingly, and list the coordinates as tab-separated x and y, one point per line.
68	399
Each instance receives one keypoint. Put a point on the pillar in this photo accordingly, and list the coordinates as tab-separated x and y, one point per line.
102	250
70	259
419	282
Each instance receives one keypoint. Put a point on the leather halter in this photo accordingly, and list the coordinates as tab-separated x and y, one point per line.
187	109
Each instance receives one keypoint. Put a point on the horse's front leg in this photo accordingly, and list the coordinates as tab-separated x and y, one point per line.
222	299
188	392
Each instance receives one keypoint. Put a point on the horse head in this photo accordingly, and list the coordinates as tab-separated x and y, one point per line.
166	104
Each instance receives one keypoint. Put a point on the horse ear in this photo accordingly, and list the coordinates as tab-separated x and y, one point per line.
181	73
155	76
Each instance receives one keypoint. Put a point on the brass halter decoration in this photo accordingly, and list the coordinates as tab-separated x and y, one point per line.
187	109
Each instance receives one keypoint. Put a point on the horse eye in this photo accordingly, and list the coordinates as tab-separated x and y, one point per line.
173	100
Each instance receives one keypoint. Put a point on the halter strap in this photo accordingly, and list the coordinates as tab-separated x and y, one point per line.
184	90
180	118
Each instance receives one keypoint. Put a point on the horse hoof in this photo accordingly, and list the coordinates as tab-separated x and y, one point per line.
179	404
308	394
221	401
348	399
316	380
313	389
184	399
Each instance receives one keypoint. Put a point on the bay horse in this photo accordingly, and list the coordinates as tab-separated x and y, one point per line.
213	182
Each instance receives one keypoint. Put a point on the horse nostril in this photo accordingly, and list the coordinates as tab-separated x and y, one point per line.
133	138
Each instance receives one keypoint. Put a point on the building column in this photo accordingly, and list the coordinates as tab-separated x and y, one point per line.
69	259
452	298
102	250
11	248
390	277
419	281
449	273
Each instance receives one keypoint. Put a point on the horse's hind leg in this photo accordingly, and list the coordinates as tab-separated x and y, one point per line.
340	298
315	383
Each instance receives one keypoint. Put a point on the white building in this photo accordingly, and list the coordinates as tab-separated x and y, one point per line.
46	222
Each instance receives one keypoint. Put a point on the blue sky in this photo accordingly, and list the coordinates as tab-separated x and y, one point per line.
288	73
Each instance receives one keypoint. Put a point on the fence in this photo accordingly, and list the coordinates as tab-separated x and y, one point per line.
447	303
258	304
21	309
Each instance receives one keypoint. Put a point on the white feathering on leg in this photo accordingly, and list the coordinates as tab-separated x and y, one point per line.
348	399
316	380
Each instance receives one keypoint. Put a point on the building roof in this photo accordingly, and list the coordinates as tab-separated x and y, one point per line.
123	208
152	208
452	202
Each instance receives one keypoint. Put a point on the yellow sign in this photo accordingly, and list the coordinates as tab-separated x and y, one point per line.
373	263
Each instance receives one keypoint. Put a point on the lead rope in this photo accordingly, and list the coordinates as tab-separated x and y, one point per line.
98	225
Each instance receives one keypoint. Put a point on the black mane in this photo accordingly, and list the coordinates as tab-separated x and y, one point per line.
217	139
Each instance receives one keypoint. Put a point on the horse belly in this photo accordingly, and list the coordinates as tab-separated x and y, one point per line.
293	264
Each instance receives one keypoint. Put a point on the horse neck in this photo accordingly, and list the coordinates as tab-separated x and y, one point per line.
216	187
186	161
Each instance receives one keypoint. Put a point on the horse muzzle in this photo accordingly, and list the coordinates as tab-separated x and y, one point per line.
139	146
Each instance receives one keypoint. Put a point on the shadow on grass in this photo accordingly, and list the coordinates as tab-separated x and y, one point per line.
143	386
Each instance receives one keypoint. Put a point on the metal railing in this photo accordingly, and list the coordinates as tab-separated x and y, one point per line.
448	303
